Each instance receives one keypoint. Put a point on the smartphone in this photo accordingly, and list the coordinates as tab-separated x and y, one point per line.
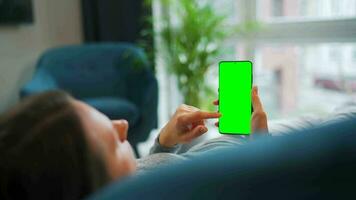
235	87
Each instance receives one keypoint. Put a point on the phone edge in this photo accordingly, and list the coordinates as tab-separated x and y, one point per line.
224	61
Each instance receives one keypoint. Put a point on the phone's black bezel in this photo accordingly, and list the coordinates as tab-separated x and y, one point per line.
219	92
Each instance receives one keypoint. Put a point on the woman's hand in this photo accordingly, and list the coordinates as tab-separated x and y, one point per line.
186	124
259	116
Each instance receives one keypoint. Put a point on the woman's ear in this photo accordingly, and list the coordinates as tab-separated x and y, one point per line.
121	126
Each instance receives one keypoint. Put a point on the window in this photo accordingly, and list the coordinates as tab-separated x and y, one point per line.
305	9
354	55
305	58
277	9
300	78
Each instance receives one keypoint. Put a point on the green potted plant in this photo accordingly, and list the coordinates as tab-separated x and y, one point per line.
191	45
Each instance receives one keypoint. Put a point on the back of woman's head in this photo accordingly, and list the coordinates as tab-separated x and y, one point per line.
44	151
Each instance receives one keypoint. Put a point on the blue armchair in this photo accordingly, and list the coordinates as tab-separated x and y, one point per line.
113	78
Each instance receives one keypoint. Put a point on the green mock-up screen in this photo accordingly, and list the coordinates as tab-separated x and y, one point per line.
235	83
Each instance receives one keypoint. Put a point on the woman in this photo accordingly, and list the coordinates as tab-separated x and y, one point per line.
55	147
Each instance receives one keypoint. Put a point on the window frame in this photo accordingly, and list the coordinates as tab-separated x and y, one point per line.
289	32
276	31
295	31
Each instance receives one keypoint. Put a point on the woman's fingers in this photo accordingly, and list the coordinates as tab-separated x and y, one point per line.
194	133
195	124
216	103
256	102
197	116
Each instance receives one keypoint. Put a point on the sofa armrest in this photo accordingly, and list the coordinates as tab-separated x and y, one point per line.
144	94
41	82
146	98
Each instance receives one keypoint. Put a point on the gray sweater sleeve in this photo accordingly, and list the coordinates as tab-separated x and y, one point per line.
158	148
159	156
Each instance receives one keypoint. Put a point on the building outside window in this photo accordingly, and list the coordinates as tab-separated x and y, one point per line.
304	54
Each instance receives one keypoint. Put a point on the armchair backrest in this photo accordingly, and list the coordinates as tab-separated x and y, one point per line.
94	69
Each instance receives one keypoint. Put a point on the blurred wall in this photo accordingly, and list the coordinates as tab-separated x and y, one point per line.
57	22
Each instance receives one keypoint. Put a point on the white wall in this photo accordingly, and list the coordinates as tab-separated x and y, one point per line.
57	22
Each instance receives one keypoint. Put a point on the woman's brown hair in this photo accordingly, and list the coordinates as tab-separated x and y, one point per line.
44	152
